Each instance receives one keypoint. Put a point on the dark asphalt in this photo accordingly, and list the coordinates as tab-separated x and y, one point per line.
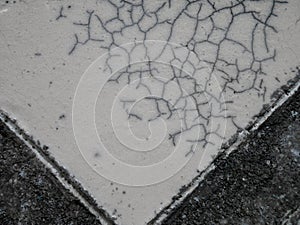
259	183
29	193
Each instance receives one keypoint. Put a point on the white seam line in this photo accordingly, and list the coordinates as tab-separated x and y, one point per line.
241	137
56	173
288	216
278	104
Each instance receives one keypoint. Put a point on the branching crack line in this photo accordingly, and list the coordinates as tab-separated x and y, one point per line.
232	37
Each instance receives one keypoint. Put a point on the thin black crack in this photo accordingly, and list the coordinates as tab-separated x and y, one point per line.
213	37
61	15
87	25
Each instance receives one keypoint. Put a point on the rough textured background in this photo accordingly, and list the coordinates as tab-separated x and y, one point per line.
258	183
47	46
29	193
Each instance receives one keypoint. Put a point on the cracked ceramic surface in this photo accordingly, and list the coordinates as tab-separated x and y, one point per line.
152	80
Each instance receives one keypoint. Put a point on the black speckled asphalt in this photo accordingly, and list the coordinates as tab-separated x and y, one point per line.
29	193
257	184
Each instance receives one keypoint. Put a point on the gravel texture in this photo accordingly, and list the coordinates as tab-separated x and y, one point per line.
258	183
29	193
